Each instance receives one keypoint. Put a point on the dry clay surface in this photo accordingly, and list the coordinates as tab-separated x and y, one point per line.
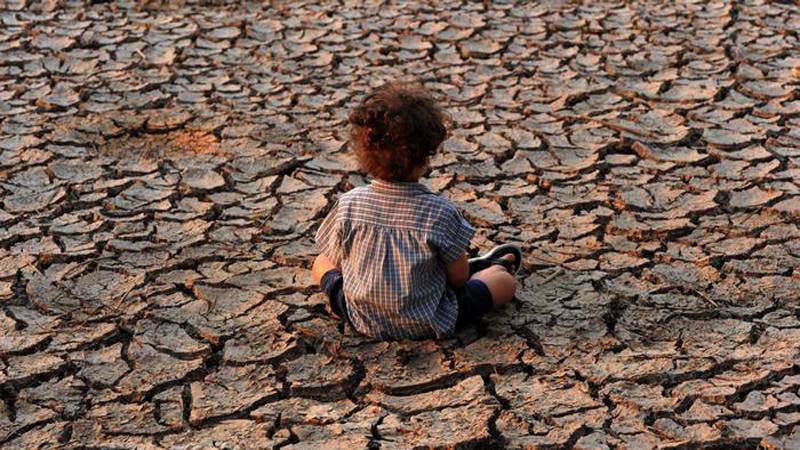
162	170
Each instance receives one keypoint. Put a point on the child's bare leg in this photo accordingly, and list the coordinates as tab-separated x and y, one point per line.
501	284
321	265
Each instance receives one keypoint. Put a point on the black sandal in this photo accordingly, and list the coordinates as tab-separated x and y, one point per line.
494	257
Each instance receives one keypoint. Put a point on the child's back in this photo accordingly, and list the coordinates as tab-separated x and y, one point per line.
392	241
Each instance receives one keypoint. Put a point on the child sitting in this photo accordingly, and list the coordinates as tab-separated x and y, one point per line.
393	258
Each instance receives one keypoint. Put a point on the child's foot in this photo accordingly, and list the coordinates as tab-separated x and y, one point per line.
506	255
512	260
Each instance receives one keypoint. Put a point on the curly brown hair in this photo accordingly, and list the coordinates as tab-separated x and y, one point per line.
395	129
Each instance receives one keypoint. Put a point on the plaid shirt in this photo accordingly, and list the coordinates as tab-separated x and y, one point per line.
392	242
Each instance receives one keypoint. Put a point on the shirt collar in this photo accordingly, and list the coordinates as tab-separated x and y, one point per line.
399	187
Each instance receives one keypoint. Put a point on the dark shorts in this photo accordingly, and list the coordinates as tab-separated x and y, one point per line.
332	285
474	298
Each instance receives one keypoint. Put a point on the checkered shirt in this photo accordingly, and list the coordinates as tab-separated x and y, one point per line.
392	242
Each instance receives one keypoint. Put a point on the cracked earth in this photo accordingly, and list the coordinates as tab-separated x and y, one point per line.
163	168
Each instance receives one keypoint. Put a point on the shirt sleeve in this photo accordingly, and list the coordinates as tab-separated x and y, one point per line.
329	236
454	236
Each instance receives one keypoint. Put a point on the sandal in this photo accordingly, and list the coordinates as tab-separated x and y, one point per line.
494	257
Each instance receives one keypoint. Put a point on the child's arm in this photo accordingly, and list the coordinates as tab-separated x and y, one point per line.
321	266
328	240
451	244
458	271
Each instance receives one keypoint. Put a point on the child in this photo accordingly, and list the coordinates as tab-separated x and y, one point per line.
393	258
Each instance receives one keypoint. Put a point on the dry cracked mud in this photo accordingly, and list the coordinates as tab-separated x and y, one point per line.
163	167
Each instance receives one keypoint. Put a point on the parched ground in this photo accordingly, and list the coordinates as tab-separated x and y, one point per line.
162	170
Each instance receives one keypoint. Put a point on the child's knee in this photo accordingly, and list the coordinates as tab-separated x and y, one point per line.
502	286
512	282
509	283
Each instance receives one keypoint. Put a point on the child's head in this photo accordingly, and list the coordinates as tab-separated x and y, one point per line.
395	130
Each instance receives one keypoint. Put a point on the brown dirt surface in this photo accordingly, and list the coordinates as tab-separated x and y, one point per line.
164	165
